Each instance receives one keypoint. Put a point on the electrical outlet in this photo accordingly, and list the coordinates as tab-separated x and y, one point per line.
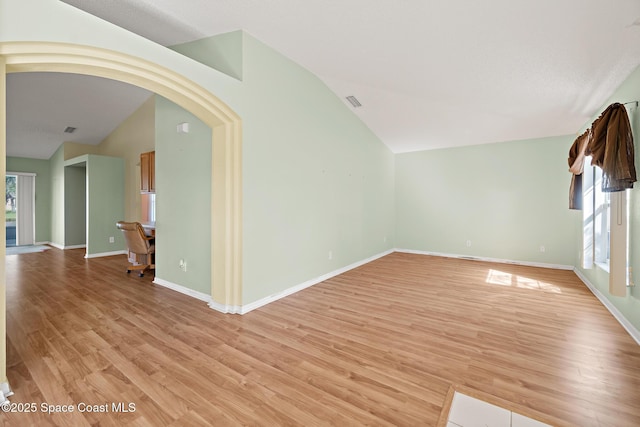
330	254
542	248
112	239
468	243
183	265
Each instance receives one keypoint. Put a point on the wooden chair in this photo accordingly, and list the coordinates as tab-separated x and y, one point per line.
141	251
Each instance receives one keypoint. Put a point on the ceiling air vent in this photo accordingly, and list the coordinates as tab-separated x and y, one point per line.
354	101
69	129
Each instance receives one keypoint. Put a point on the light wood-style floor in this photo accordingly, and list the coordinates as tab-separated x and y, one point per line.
379	345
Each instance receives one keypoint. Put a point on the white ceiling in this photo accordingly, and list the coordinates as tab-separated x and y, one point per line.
42	105
429	74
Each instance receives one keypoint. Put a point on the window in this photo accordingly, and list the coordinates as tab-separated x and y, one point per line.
152	207
605	229
148	208
602	223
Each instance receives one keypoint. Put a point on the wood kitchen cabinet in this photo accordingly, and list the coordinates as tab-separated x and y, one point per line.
148	172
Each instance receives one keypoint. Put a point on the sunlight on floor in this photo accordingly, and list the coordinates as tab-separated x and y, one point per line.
496	277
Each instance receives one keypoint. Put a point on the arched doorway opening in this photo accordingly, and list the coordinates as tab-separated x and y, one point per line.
226	184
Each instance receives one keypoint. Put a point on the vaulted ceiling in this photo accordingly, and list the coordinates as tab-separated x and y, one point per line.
42	105
429	74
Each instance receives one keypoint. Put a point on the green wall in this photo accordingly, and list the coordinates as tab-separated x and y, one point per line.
61	199
57	197
224	52
75	205
183	198
315	178
508	199
87	187
628	305
42	169
105	204
135	135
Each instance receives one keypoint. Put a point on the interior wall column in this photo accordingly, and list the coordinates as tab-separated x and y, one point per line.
226	224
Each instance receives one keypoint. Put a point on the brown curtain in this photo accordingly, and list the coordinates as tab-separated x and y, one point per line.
611	148
609	142
576	167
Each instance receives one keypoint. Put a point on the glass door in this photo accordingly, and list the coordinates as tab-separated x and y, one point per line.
11	204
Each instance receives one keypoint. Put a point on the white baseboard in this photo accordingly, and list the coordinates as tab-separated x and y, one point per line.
233	309
628	326
182	289
63	247
74	247
102	254
243	309
498	260
271	298
226	308
5	391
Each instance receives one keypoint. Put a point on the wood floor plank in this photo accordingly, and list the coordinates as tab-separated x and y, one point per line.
382	344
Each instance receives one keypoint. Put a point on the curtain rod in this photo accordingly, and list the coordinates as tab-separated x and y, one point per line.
623	103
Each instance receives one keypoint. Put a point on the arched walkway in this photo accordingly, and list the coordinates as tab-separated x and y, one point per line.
226	185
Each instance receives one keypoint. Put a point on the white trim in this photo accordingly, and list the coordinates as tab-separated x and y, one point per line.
62	247
271	298
604	266
21	173
237	309
102	254
182	289
628	326
74	247
5	391
498	260
227	309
